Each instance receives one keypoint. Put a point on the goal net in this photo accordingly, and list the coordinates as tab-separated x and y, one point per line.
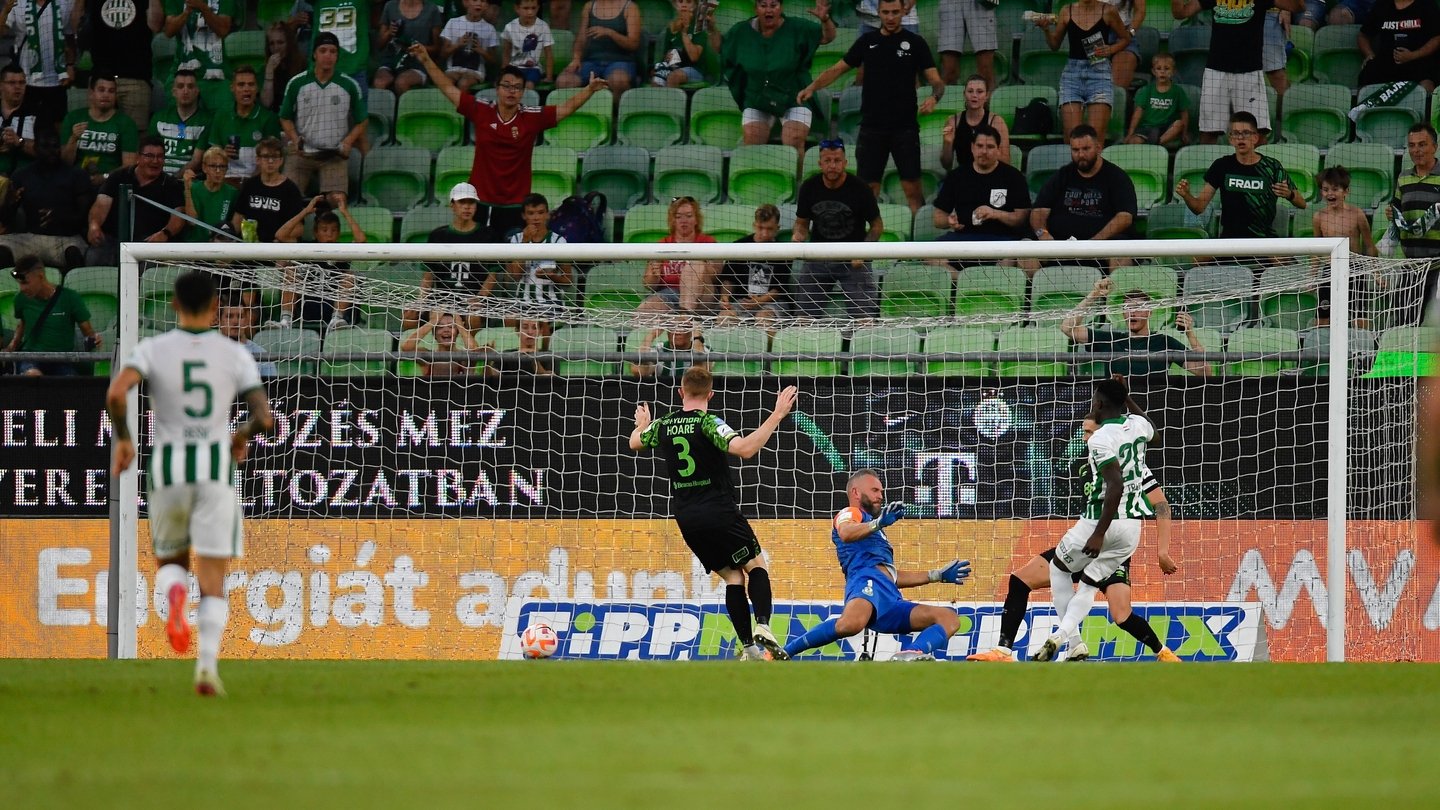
448	468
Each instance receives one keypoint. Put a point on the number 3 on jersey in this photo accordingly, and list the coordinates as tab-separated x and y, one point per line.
684	455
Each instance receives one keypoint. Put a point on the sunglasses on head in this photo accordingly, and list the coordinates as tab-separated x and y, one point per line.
832	143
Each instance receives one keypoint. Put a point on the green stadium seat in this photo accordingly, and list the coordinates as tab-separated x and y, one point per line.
1119	109
1316	114
452	166
647	223
564	47
588	126
245	46
1291	297
1190	45
1298	64
1176	221
1158	16
621	173
848	114
1361	354
899	221
924	229
425	119
380	110
1261	339
738	340
915	290
397	177
378	223
799	341
932	123
1038	64
615	285
95	278
1149	168
554	171
1043	161
1390	124
990	290
931	175
579	340
1159	281
883	340
1060	289
1191	163
1210	339
1337	59
810	163
728	223
1372	171
1407	351
1301	161
762	173
651	117
1042	338
715	118
690	171
301	344
104	310
268	11
1004	101
343	341
1230	285
954	339
419	221
828	54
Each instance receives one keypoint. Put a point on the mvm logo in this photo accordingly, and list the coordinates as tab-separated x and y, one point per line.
1235	183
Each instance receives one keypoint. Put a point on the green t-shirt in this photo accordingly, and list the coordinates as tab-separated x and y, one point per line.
765	73
103	143
1159	109
349	21
198	47
180	137
57	333
1106	341
248	131
211	208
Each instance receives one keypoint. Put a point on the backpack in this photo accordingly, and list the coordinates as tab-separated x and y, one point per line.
1034	118
580	219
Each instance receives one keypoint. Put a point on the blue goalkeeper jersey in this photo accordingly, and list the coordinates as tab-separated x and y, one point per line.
868	552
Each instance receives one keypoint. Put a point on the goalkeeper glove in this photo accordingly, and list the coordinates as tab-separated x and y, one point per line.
892	512
955	573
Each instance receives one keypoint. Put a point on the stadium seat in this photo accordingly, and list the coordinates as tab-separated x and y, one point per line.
738	340
301	344
1191	163
1389	124
955	339
553	172
1119	110
268	11
1190	45
915	290
799	341
1042	338
586	127
1316	114
924	229
1372	171
898	221
647	223
615	285
883	340
1361	354
1176	221
1261	339
1336	59
715	118
563	48
1298	63
848	114
1149	168
397	177
690	171
1290	297
1159	281
1230	285
651	117
931	175
380	109
933	122
1406	351
762	173
241	47
728	223
452	166
419	221
378	223
425	119
162	55
343	341
990	290
1004	101
97	278
1301	161
828	54
1043	161
621	173
1060	289
1038	64
810	163
580	340
1158	16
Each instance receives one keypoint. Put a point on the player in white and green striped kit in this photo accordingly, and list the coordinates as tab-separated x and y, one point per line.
194	375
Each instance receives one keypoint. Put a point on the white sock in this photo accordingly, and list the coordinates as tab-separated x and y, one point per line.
214	613
1078	609
1062	588
168	575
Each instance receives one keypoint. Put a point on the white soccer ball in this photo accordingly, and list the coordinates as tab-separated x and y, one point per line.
539	641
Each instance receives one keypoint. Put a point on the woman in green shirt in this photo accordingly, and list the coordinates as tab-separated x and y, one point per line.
767	63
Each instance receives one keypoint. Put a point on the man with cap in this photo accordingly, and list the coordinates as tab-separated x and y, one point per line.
505	134
460	276
45	320
323	115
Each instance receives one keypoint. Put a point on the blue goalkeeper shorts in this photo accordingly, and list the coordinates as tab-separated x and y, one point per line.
892	613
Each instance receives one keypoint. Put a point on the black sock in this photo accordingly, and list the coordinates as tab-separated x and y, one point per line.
739	610
760	596
1141	629
1016	598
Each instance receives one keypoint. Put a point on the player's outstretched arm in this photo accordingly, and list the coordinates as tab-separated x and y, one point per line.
955	573
1162	530
747	446
115	403
850	531
1114	487
260	421
642	421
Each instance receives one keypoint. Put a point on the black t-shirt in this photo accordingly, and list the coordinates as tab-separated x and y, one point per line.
118	38
892	64
55	199
270	206
695	446
755	277
165	190
27	125
460	275
1003	188
1237	38
1389	28
1108	341
1247	205
1080	206
839	214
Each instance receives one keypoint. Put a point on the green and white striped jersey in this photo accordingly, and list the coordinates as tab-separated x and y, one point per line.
1121	441
193	379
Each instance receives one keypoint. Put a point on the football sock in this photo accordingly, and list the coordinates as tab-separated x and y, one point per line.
817	636
739	609
1077	610
930	639
760	597
1062	588
213	614
1141	629
1016	598
168	575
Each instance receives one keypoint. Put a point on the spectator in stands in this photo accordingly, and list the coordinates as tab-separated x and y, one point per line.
1090	198
1417	205
324	117
442	332
528	44
606	47
341	313
469	45
983	200
959	130
1313	16
1136	339
767	60
44	35
270	198
1250	186
756	289
1399	41
889	119
210	200
1350	12
1095	34
1339	217
523	359
99	138
974	19
151	224
1124	63
462	276
680	284
1275	58
675	350
201	27
840	208
46	317
1162	108
542	283
17	121
239	128
1234	78
403	23
283	62
505	136
237	322
349	21
53	196
181	126
118	36
686	46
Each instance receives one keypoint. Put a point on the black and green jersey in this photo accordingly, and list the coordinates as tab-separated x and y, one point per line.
1247	205
694	445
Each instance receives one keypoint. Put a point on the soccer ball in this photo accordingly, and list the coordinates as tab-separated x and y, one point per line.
539	641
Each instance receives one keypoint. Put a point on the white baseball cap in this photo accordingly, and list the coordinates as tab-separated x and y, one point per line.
463	191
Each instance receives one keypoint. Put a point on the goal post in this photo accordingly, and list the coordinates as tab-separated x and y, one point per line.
1031	408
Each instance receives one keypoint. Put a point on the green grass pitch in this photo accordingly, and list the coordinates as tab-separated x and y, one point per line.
725	735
